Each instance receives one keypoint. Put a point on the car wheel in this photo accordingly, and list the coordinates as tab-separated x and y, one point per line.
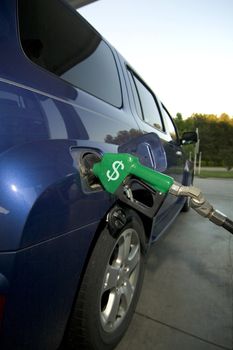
110	288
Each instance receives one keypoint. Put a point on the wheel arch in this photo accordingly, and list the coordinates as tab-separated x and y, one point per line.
147	225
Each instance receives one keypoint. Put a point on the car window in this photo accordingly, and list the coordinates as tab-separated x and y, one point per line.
150	111
170	125
58	39
135	96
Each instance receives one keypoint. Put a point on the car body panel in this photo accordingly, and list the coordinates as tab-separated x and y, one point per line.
43	283
48	220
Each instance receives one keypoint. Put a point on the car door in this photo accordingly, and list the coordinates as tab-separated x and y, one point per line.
153	117
174	151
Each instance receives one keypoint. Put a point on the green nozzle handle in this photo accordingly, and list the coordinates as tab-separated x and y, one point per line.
115	167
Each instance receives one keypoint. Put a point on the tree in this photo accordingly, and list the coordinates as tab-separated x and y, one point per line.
179	117
216	136
224	118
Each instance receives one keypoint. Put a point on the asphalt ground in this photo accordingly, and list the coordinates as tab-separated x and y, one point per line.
187	295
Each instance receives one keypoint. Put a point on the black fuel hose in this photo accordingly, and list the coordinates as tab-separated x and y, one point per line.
228	225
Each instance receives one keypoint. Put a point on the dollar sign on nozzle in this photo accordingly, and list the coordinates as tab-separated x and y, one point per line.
115	173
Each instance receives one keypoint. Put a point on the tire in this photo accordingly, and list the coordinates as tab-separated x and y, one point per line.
109	290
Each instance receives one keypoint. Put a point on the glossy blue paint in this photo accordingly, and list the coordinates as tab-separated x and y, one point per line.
48	221
45	279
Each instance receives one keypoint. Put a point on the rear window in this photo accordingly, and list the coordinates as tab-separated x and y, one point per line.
57	38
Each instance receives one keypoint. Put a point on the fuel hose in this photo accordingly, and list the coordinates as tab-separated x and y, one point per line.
228	225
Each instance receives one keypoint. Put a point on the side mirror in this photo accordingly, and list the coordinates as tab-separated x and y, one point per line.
189	138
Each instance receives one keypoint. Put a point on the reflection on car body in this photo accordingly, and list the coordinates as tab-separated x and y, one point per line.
65	281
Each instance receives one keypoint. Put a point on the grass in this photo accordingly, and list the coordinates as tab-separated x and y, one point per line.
217	174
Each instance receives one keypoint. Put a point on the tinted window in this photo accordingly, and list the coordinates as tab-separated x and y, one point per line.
135	95
170	125
150	110
61	41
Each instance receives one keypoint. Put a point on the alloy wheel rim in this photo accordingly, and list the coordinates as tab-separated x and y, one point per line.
120	280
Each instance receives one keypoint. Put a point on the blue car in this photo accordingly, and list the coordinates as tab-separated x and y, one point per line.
67	281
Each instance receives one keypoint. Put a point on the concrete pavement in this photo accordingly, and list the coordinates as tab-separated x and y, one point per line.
186	300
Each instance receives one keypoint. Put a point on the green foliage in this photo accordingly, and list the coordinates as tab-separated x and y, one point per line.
216	174
179	116
216	137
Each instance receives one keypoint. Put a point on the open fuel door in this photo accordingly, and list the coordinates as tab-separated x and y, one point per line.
122	172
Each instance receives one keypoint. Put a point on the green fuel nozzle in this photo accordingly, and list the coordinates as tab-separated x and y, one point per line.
118	172
113	169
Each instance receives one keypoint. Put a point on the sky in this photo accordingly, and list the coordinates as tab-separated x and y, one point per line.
183	49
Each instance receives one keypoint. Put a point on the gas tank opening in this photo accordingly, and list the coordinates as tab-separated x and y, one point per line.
86	161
